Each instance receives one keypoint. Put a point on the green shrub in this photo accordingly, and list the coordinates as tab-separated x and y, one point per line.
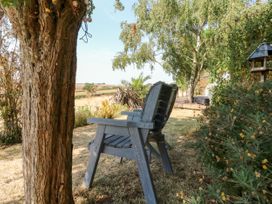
81	115
10	106
139	85
132	93
12	136
108	110
235	143
129	97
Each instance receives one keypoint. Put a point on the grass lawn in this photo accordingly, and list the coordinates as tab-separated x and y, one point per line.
115	182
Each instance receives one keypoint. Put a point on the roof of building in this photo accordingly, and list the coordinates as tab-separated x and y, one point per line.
263	50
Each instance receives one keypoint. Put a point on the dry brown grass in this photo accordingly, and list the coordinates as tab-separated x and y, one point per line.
11	175
102	90
93	101
115	182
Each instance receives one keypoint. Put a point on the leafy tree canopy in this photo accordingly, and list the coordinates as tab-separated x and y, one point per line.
175	34
242	29
186	37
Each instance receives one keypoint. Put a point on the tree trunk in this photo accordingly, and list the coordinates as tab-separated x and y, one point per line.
48	118
195	76
194	72
197	67
191	92
48	39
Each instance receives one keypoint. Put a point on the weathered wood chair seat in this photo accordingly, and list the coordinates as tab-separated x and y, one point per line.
129	138
118	141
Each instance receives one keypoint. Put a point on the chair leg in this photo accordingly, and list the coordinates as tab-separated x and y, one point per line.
143	166
95	151
153	150
167	145
148	153
165	157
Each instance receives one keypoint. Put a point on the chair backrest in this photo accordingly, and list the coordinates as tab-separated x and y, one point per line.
171	101
159	103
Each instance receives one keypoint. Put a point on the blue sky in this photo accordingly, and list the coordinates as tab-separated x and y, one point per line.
95	57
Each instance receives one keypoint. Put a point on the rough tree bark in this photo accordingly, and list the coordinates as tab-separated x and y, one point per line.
48	31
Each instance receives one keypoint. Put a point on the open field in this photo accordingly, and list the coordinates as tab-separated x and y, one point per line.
115	182
102	90
84	94
93	101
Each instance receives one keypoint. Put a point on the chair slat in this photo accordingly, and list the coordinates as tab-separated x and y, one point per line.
111	139
121	139
121	144
128	144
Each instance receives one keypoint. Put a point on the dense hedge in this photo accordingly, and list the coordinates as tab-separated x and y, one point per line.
235	143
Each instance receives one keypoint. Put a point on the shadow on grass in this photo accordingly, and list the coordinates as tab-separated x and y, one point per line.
119	183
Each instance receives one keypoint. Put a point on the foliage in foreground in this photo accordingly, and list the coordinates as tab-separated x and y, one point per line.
235	144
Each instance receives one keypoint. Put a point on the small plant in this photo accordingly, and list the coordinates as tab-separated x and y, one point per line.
235	143
91	88
11	137
132	93
139	85
81	115
108	110
127	96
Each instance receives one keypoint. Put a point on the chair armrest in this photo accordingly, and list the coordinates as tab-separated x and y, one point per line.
104	121
128	113
138	110
120	123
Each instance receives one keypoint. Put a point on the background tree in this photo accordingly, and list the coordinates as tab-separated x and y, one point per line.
245	25
175	34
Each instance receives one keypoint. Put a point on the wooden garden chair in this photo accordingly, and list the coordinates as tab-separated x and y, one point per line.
127	138
156	135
